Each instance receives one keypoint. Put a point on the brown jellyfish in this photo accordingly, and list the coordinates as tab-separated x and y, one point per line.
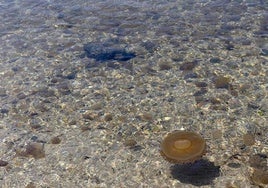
182	147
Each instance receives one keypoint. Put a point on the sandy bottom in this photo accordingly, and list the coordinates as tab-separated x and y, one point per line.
72	116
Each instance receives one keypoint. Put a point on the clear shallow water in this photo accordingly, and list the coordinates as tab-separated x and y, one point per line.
98	73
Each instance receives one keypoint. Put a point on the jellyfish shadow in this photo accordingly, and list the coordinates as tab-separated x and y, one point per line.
199	173
110	49
109	53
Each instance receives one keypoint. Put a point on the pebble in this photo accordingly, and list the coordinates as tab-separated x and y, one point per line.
215	60
222	82
248	139
3	163
187	66
55	140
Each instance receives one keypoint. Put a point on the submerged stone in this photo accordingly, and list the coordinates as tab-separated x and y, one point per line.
3	163
222	82
188	66
34	149
260	177
55	140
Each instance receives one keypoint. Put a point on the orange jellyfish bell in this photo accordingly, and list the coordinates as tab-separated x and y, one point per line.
182	147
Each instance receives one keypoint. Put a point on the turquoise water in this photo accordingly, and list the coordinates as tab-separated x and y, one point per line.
111	78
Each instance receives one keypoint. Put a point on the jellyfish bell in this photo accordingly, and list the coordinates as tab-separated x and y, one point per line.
182	147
